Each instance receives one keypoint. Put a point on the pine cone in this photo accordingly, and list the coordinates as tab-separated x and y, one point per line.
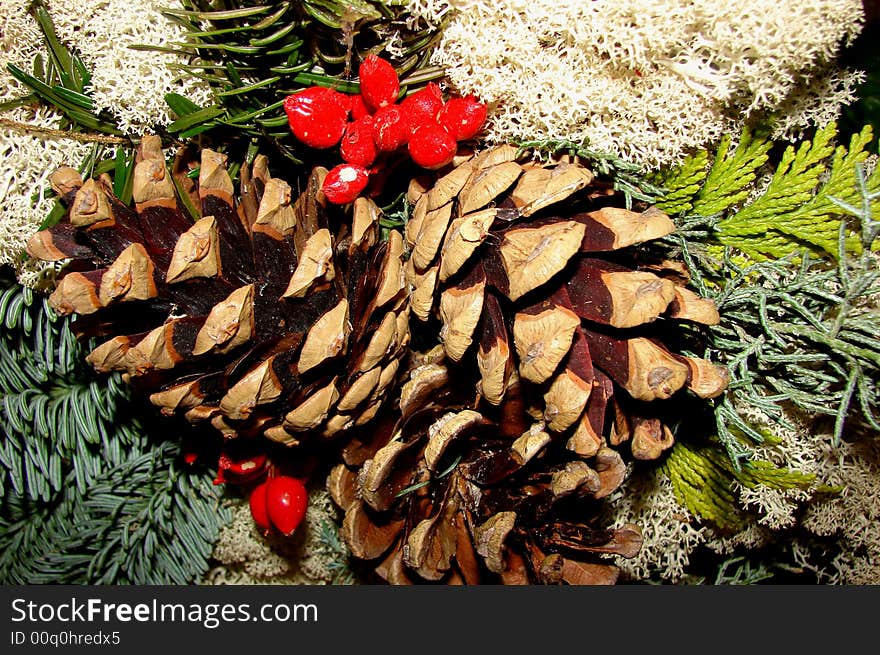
262	316
508	437
533	270
441	492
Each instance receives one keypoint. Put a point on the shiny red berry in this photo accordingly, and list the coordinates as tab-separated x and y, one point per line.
317	116
431	146
286	503
462	117
357	145
422	106
390	129
237	469
344	183
379	83
259	509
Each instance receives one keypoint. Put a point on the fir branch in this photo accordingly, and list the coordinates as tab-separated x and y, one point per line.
339	564
142	521
87	496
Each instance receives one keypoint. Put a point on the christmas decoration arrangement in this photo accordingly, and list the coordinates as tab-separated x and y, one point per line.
432	292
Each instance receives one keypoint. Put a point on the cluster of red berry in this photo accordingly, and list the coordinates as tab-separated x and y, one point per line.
371	125
278	503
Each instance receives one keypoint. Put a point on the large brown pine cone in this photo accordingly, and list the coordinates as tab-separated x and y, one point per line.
263	314
533	271
549	378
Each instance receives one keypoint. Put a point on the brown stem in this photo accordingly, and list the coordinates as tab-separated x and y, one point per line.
83	137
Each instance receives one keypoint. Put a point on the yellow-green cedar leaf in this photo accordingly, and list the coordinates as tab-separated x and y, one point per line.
682	183
730	178
702	479
797	210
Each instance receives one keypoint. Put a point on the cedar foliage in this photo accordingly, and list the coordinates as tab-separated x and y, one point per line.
797	208
792	269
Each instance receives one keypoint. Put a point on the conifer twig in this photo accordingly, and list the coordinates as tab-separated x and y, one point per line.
82	137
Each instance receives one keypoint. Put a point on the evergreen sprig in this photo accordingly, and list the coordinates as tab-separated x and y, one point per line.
55	416
253	56
703	481
797	209
339	555
728	181
683	183
800	331
799	325
739	570
87	495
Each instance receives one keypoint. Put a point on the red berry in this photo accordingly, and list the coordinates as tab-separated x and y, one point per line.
286	502
431	146
379	83
359	108
422	106
317	116
346	100
390	129
463	117
238	470
344	183
259	507
357	145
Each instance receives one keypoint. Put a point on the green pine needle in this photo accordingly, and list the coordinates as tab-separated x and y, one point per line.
62	81
252	57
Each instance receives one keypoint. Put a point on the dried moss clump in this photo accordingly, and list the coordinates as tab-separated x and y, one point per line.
645	79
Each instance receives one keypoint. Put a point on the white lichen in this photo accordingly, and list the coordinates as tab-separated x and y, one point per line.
853	516
795	450
669	532
645	79
834	536
129	84
26	160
